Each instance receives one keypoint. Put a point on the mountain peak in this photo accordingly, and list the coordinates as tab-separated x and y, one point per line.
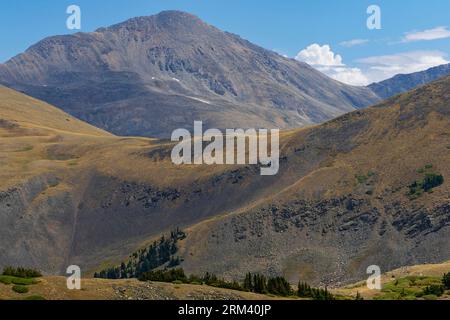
158	67
169	20
176	14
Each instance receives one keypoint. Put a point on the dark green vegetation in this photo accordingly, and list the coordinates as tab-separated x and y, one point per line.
21	272
306	291
20	278
158	254
446	280
17	280
260	284
431	180
255	283
415	287
20	289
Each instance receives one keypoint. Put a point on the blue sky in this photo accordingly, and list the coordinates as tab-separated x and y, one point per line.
331	34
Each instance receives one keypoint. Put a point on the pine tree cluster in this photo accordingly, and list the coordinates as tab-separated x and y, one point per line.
160	253
306	291
260	284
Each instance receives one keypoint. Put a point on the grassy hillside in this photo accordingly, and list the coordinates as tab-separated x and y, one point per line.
55	288
398	284
341	201
403	284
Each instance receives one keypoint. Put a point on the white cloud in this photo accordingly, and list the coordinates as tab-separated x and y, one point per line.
317	55
378	68
325	60
370	69
427	35
354	42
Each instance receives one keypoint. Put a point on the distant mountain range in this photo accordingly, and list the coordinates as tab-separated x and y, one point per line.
405	82
150	75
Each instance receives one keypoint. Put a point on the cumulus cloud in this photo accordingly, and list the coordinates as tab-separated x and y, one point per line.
354	42
318	55
325	60
378	68
370	69
427	35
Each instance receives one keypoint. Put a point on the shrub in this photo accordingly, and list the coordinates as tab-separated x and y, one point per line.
431	180
446	281
437	290
20	289
361	178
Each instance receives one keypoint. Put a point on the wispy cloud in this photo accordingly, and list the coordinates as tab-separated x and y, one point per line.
378	68
353	42
427	35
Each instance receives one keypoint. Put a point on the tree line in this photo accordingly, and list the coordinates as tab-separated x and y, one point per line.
255	283
21	272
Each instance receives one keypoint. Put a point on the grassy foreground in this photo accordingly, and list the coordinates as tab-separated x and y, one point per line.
407	283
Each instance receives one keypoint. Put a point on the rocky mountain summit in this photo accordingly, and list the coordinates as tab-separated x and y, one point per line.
150	75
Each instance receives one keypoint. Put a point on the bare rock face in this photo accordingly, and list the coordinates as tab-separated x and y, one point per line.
150	75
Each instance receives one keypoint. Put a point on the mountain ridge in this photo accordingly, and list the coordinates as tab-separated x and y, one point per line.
170	69
405	82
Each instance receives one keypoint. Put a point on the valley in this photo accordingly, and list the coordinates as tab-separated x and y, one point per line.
339	203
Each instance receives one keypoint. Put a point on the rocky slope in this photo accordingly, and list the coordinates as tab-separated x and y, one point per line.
349	206
150	75
339	203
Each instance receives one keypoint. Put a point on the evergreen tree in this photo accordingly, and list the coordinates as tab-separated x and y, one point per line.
248	283
446	281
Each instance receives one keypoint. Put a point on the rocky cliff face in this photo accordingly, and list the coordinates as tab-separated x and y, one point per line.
150	75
